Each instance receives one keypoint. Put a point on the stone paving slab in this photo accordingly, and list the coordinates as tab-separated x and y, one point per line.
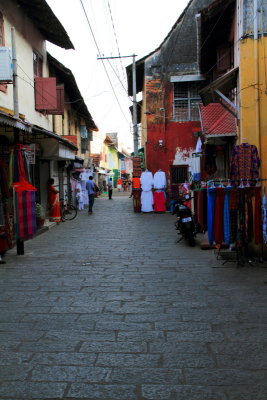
109	307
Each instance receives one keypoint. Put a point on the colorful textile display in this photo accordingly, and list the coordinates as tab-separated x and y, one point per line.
232	217
245	162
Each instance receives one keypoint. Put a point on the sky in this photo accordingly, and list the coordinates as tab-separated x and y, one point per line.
111	28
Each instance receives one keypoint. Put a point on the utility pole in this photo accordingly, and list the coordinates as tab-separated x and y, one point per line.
135	128
20	242
15	74
135	132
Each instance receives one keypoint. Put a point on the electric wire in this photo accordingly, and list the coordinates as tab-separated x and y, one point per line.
96	44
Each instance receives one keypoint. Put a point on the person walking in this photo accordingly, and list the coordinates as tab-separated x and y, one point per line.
110	188
91	188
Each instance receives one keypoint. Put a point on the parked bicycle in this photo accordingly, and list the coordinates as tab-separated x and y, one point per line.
68	210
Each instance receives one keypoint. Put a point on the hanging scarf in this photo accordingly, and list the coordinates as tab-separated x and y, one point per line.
211	213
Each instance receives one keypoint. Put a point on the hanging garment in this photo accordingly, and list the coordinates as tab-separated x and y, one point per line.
245	162
147	201
146	180
258	216
159	201
264	218
233	205
226	216
136	183
198	146
147	195
79	196
195	169
25	218
159	181
218	218
211	213
53	204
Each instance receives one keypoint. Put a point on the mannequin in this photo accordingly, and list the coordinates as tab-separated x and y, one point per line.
146	181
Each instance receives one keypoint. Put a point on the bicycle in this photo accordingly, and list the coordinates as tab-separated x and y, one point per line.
68	210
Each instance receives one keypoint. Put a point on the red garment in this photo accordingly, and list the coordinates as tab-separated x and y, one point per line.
159	202
257	217
136	183
218	220
53	204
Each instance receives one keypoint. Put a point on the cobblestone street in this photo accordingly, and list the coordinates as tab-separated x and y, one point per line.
109	307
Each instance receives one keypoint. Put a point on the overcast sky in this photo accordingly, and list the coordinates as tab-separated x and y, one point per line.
117	26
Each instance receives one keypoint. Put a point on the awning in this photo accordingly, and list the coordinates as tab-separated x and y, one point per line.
9	120
216	121
224	84
45	133
101	170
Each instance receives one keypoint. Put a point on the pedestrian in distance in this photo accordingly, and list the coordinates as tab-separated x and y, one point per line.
91	189
110	188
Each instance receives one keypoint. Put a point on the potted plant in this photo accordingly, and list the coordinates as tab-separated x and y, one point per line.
40	215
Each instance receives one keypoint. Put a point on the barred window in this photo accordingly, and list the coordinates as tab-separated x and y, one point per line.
179	174
186	102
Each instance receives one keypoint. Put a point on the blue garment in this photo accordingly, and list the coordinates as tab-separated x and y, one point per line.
226	216
90	187
211	213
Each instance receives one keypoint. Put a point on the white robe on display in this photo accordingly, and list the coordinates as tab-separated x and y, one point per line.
146	181
160	180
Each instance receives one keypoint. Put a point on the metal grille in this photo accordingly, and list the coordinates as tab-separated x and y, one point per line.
179	174
186	102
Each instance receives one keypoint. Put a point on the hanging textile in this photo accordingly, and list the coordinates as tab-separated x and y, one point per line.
258	217
159	180
226	216
233	205
218	218
211	213
159	201
264	217
147	195
25	218
245	162
6	234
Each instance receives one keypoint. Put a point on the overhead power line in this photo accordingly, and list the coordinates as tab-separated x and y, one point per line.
99	52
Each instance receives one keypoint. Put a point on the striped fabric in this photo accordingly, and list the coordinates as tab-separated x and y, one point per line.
25	214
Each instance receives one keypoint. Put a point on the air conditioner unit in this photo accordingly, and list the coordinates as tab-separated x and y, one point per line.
6	67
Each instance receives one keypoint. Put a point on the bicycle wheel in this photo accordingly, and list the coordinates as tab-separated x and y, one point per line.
69	213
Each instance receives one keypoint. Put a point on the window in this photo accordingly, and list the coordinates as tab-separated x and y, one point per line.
37	64
186	102
179	174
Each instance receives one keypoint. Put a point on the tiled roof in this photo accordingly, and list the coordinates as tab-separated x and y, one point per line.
217	121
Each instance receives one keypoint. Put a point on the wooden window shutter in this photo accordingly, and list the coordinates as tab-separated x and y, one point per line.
223	58
60	102
45	94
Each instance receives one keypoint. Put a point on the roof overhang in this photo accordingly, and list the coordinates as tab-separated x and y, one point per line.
216	121
43	133
46	22
222	85
13	122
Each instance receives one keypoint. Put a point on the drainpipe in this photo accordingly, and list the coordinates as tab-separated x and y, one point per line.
198	24
256	76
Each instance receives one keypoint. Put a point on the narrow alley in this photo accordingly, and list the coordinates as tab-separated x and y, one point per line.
109	307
